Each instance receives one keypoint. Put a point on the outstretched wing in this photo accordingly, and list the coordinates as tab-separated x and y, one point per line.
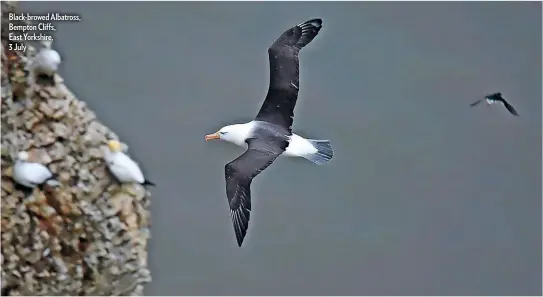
240	173
278	107
475	103
510	108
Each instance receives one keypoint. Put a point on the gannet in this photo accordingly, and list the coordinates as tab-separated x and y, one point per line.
270	133
122	166
46	62
29	175
497	98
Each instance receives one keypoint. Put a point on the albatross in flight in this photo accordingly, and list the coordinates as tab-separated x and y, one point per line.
270	135
496	98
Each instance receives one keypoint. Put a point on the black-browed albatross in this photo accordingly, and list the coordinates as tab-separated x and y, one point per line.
496	98
270	133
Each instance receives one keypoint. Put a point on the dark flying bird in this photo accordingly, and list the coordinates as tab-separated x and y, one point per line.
270	135
496	98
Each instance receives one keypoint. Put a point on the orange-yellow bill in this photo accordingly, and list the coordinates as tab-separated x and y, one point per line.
212	136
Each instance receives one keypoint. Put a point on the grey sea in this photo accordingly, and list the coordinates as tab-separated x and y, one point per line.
425	195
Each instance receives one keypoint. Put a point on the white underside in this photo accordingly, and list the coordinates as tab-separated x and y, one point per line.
47	61
490	102
298	147
124	168
30	174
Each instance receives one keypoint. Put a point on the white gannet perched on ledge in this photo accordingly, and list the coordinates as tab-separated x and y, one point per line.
122	166
46	62
29	175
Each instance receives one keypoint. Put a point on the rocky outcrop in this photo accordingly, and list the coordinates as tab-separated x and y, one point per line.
86	237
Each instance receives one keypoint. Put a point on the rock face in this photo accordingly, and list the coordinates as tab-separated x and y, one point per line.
86	237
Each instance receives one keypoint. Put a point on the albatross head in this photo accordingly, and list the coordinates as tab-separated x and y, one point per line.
236	134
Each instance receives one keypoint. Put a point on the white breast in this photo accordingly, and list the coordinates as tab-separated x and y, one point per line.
124	168
47	61
30	174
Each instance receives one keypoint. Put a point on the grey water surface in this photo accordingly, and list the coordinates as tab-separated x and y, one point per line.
425	195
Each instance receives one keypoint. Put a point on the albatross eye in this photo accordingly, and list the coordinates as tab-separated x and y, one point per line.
222	133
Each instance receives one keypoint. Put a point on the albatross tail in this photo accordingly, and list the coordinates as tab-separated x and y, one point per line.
324	152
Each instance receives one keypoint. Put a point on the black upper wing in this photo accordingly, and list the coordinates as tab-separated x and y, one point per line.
278	107
240	173
494	96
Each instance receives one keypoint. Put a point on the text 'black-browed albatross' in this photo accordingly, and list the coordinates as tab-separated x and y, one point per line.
497	98
270	135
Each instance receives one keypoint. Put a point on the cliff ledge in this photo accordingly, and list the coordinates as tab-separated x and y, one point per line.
86	237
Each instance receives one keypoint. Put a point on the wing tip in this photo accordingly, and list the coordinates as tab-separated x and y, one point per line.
240	234
240	241
240	224
308	31
316	22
